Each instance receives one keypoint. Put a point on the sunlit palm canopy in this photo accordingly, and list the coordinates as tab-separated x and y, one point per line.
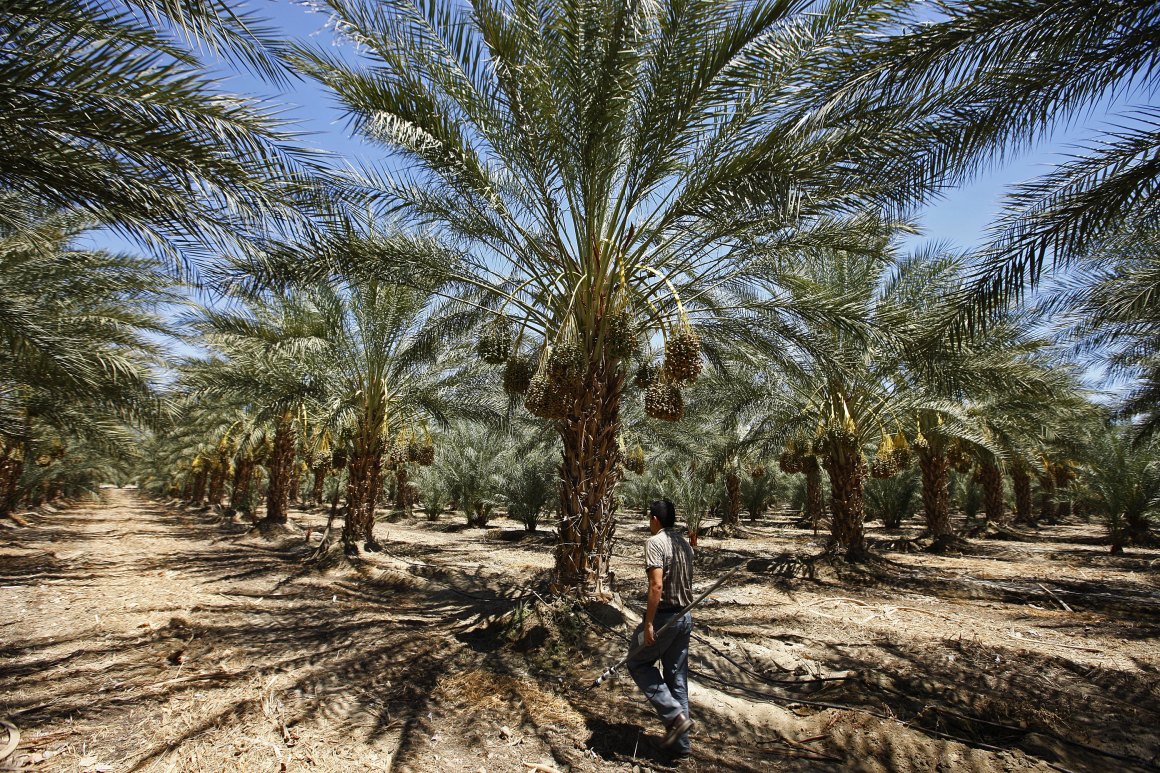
388	349
107	106
265	355
573	159
76	328
988	79
1115	313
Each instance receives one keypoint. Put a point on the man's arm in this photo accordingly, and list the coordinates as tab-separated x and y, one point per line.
655	587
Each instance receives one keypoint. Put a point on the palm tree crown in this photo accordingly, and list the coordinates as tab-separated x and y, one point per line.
595	172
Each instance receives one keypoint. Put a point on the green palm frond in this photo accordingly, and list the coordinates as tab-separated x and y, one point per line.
556	153
104	113
985	80
76	325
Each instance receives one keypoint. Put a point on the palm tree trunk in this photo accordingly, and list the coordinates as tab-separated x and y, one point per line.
847	470
240	488
936	496
815	502
1021	483
217	480
320	471
733	490
992	482
1046	497
361	496
197	494
1137	530
589	471
403	500
295	485
1062	478
280	467
11	468
364	481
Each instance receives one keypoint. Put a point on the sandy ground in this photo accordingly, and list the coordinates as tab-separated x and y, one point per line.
137	636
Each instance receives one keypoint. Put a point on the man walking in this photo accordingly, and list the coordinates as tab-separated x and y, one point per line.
669	566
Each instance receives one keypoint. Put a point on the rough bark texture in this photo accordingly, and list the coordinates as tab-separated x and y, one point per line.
1021	484
404	499
295	484
992	482
197	492
936	497
815	501
1046	498
589	471
733	490
362	495
847	470
280	467
11	468
320	471
243	480
1062	479
217	480
364	482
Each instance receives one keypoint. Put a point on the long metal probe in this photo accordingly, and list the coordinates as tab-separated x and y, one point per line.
609	671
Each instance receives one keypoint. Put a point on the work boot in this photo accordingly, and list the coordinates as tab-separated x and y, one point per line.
679	727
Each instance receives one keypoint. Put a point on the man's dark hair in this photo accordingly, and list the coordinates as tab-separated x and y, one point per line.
663	511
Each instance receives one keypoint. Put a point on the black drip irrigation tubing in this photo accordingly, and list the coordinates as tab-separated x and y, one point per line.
785	700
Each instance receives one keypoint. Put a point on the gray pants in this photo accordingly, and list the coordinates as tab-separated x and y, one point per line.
668	692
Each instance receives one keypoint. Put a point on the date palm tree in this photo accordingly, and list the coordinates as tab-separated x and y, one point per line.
890	384
1114	314
391	371
267	355
982	399
77	361
1121	484
601	172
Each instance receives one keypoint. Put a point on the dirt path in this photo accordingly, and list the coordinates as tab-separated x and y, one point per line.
141	637
144	640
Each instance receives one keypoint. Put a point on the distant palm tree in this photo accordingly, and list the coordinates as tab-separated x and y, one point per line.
390	372
77	359
267	356
892	382
841	388
986	399
1121	485
600	172
1019	427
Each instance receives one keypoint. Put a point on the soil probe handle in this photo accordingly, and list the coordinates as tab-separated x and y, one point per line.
609	671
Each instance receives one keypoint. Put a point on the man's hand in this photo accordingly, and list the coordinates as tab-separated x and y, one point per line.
650	638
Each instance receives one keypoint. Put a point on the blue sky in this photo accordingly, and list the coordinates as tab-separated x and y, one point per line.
960	218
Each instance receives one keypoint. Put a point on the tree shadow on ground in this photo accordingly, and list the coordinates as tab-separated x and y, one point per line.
371	652
1069	713
367	653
